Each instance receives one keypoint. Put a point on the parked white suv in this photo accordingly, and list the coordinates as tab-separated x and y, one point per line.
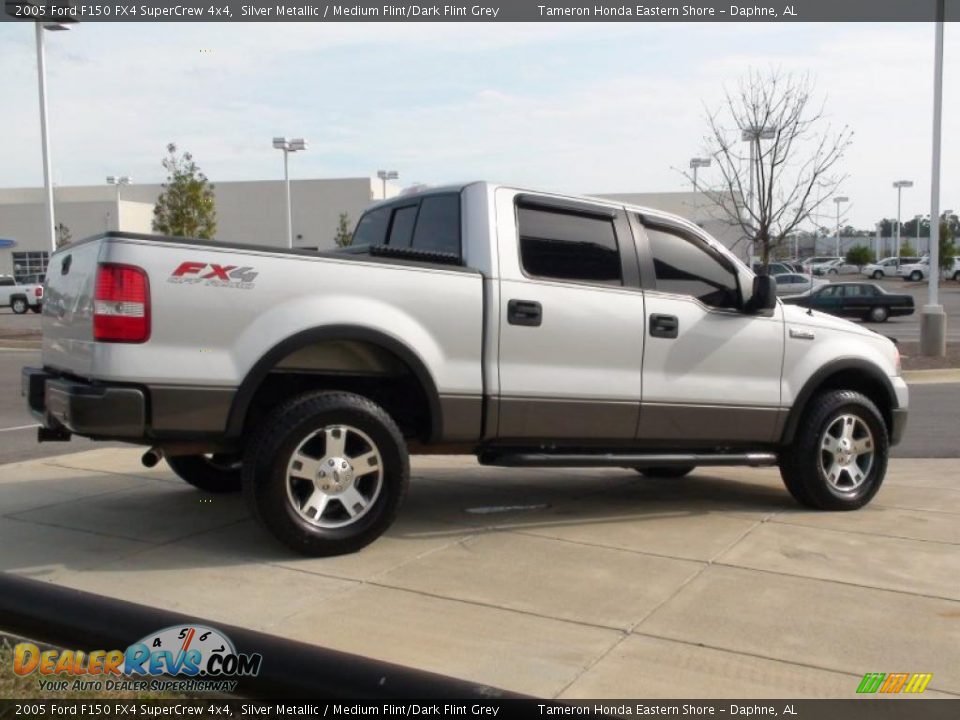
527	328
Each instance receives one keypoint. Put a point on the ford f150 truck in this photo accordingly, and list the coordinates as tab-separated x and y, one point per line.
525	327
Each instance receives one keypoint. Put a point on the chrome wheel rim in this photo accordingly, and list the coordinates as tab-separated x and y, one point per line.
846	453
334	476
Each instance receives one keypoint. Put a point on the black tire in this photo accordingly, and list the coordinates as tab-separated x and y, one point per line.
37	308
877	274
19	305
916	276
878	314
212	474
956	277
801	462
283	504
666	472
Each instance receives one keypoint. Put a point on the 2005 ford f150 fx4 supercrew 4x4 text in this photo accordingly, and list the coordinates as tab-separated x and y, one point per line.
528	328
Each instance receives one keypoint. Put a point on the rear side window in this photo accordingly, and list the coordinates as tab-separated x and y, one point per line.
438	224
372	228
684	267
5	281
401	229
565	246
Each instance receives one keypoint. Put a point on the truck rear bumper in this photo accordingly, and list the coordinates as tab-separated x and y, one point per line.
84	408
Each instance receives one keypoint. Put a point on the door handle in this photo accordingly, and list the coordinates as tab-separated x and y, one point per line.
524	312
664	326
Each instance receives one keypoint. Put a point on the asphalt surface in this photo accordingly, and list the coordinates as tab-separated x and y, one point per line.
931	431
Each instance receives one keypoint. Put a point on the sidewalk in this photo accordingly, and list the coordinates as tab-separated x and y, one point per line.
556	583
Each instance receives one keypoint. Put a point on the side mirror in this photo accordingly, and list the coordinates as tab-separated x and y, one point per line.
764	296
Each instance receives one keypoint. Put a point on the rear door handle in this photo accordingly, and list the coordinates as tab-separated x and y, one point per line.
664	326
524	312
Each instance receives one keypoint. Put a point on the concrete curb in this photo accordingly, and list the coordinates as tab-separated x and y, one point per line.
931	377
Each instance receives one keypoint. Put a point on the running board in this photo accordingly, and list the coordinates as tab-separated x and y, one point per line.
541	459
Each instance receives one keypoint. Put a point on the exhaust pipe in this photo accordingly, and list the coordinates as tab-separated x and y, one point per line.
151	457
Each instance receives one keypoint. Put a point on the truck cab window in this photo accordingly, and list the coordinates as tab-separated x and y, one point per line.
438	224
683	267
565	246
401	229
372	228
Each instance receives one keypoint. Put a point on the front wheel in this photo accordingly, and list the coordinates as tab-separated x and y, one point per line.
210	473
326	473
833	272
838	457
956	277
19	305
665	472
877	274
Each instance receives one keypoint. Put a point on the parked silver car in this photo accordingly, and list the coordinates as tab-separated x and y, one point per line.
796	283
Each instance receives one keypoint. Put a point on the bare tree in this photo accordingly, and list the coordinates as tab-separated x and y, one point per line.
772	118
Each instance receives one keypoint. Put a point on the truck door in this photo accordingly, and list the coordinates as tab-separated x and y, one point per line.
711	372
571	320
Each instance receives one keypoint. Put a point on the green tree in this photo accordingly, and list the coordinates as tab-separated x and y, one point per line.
860	256
947	247
344	236
906	249
186	207
63	235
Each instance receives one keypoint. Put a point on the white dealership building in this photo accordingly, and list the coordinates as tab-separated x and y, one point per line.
251	212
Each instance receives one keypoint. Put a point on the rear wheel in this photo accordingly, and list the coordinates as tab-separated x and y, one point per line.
956	277
326	473
19	305
878	314
838	457
210	473
916	276
666	472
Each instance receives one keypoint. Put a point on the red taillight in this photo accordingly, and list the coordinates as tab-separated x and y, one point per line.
121	304
38	292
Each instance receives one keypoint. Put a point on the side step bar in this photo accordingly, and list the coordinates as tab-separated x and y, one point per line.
543	459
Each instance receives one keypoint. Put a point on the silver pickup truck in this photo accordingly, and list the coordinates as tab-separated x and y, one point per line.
524	327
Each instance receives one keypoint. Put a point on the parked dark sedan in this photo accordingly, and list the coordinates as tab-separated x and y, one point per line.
860	300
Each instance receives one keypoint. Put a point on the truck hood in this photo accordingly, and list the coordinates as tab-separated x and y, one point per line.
797	315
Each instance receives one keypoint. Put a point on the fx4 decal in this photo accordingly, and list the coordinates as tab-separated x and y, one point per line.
214	275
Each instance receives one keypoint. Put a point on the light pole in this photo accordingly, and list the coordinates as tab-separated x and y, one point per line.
754	134
119	182
289	146
385	175
917	219
696	164
45	128
900	185
838	201
933	320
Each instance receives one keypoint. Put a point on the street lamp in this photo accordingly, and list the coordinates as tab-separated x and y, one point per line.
289	146
838	201
119	182
45	126
696	164
900	185
933	320
385	175
754	134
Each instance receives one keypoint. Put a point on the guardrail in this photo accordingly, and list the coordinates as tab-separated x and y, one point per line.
74	619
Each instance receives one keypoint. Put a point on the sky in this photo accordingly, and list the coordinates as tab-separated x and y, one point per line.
581	108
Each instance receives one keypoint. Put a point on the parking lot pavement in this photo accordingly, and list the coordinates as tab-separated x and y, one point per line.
559	583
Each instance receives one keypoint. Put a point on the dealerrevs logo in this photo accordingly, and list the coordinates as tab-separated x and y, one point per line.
182	658
213	275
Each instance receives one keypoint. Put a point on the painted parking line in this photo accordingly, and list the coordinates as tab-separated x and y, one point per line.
19	427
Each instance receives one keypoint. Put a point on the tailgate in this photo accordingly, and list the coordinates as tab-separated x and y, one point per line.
68	308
